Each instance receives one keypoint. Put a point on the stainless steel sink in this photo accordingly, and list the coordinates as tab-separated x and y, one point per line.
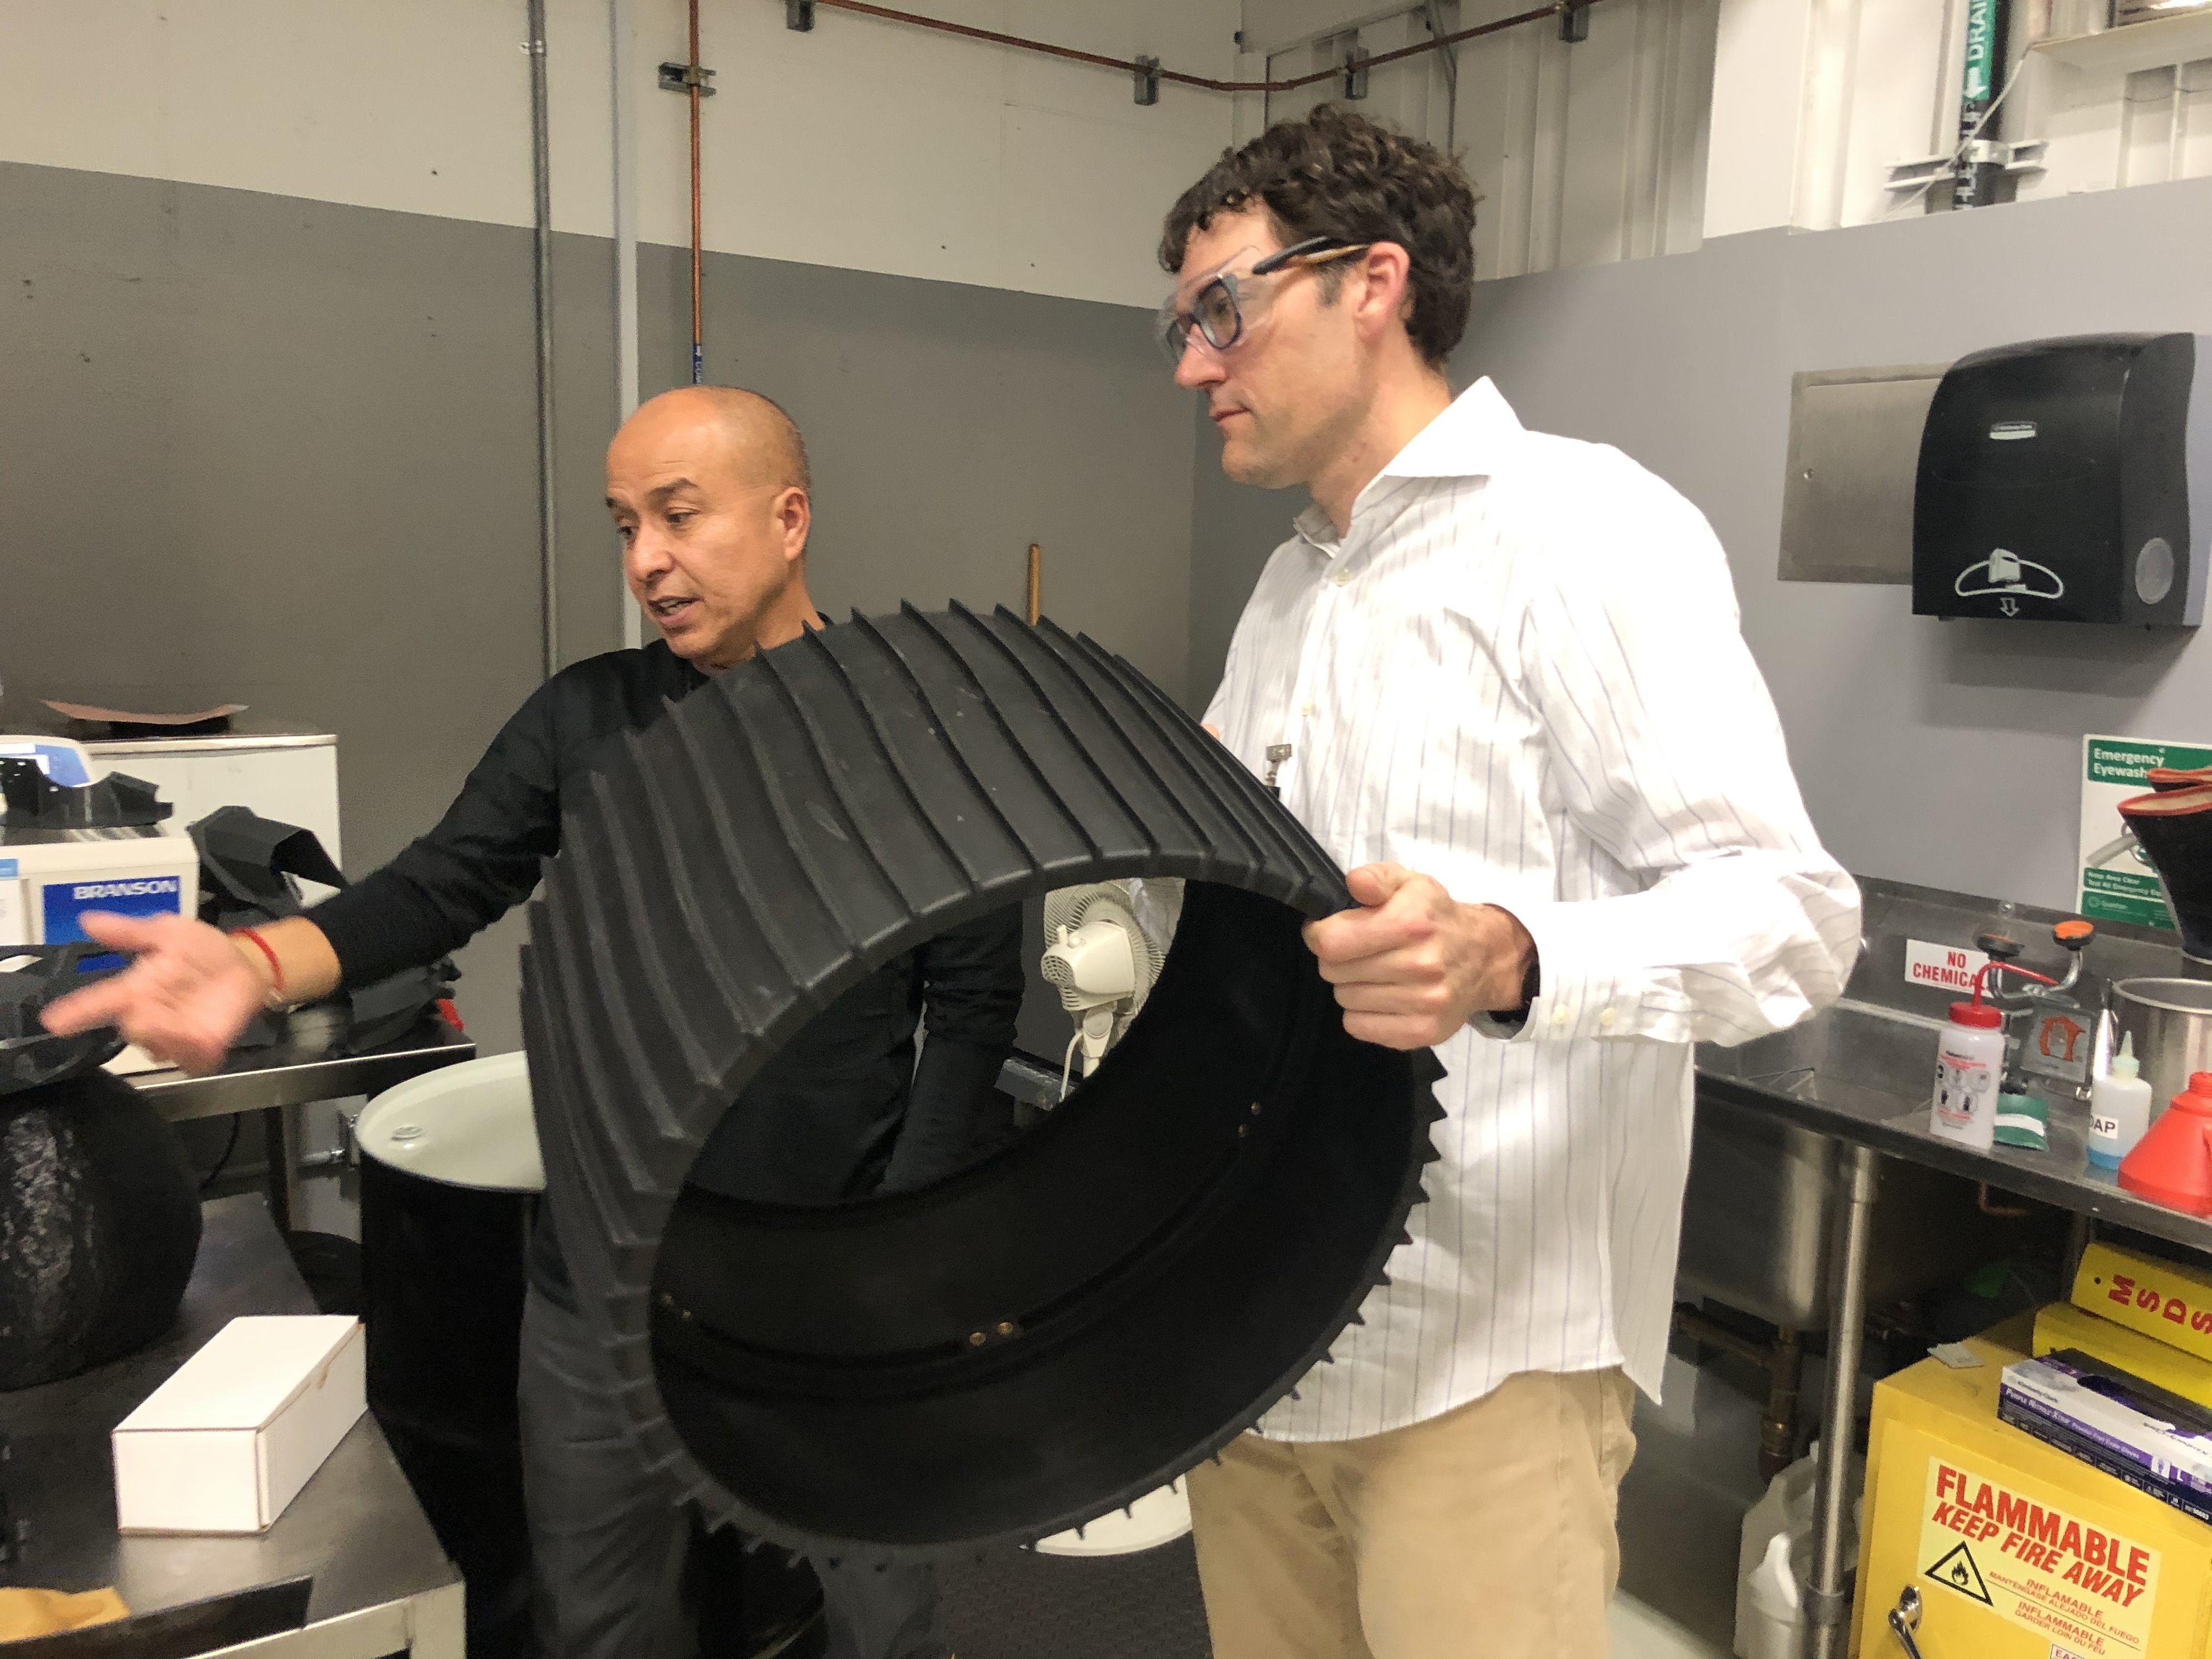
1757	1217
1858	1043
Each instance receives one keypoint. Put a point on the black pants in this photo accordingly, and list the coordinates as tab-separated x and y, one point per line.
608	1537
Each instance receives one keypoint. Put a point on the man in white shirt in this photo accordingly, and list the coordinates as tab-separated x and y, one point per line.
1499	675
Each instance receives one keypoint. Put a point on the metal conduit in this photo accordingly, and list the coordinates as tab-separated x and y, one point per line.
541	205
1441	43
695	80
621	51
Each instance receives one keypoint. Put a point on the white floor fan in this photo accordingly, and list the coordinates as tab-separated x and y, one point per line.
1104	946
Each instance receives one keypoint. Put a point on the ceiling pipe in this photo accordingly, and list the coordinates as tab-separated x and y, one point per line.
1560	8
1980	165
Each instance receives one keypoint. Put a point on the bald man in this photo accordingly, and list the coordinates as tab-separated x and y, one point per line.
710	490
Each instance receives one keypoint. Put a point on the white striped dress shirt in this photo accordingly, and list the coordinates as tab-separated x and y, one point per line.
1520	672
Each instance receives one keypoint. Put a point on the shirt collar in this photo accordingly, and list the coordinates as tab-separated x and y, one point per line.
1468	440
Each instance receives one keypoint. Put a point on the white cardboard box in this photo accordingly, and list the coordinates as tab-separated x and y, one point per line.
229	1441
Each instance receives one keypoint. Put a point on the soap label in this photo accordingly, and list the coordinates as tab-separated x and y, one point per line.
2117	882
1948	967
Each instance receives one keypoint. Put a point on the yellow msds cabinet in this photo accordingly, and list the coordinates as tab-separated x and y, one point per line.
2018	1550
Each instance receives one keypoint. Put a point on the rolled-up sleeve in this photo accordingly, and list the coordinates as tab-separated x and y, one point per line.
1668	754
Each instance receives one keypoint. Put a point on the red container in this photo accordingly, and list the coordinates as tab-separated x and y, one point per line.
2172	1164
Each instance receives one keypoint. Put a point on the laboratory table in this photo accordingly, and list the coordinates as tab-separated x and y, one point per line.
382	1585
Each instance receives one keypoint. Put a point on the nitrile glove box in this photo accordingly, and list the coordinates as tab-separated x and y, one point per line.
229	1441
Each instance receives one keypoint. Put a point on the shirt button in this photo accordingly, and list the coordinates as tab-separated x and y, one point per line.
1341	578
1306	709
1606	1018
1559	1015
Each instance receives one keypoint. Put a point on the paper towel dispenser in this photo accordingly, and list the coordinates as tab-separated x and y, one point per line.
2056	479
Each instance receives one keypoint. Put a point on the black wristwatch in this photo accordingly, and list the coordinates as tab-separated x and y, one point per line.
1532	985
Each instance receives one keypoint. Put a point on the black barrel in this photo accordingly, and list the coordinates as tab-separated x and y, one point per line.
449	1182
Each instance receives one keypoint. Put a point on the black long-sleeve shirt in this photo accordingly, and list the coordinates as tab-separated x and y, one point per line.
844	1107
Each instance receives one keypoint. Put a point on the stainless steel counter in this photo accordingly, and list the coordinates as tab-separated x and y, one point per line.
1863	1074
310	1063
382	1584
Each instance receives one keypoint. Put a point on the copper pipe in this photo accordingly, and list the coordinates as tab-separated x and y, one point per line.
1203	82
1037	582
698	322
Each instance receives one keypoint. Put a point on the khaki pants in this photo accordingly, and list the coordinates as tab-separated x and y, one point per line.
1484	1534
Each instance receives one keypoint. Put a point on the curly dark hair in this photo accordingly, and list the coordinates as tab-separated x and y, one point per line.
1335	173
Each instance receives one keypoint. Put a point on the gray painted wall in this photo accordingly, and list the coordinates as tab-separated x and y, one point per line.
284	452
1947	753
274	451
950	426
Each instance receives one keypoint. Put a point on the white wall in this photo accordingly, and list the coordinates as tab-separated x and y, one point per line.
1816	101
865	144
874	146
1583	153
422	105
2112	129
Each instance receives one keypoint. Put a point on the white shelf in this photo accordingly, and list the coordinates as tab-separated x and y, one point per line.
2164	40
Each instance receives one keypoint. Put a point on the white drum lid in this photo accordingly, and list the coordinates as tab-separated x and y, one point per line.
1160	1516
467	1126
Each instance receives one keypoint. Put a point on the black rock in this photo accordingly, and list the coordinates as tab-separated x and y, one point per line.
99	1222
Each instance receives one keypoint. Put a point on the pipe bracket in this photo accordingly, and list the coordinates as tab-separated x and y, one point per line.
681	78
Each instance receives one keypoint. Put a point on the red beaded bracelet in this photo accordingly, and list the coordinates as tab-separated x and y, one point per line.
275	968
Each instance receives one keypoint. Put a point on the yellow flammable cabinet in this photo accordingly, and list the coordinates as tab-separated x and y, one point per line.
2019	1551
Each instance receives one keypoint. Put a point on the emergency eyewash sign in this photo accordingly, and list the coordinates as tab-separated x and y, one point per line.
2118	883
2087	1591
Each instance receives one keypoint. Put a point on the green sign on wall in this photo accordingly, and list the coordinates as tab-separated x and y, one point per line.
2117	882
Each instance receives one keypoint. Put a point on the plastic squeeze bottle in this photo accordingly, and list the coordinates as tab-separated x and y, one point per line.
2119	1109
1969	1062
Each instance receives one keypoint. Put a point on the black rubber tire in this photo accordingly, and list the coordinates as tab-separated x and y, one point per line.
1044	1337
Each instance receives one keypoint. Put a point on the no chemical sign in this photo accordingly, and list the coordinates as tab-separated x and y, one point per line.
2080	1586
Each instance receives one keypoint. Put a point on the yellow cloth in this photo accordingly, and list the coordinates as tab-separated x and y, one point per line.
27	1613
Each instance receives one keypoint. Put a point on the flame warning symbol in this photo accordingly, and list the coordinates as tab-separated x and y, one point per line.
1957	1570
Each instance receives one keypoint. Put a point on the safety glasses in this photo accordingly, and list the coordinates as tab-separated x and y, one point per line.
1234	298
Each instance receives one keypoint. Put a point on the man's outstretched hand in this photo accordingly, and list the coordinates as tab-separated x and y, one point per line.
188	994
1413	965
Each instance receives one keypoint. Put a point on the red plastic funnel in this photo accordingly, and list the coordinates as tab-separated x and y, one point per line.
2172	1164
